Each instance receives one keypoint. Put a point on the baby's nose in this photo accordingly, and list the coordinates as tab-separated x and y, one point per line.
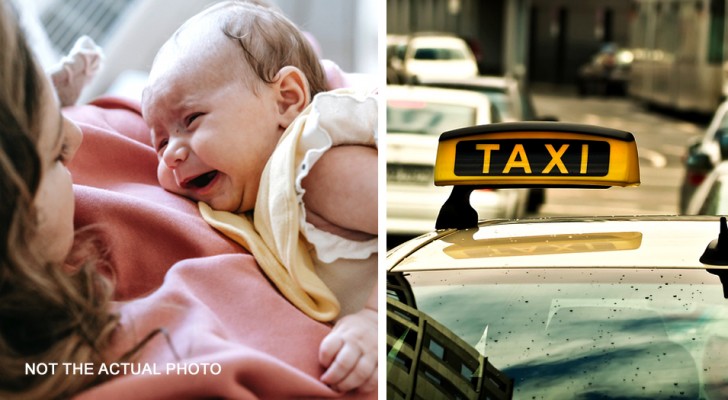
175	153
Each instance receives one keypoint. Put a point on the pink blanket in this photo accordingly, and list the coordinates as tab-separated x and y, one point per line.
231	334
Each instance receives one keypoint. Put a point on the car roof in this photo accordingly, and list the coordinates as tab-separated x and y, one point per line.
485	111
393	39
486	81
432	34
614	242
448	41
435	94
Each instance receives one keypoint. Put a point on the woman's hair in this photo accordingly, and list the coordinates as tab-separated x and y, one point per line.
269	41
47	314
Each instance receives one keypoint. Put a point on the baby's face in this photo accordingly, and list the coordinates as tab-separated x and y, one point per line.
212	133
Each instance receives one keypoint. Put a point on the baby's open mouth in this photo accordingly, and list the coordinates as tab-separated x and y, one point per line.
199	181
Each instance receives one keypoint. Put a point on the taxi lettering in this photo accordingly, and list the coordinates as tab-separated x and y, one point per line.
532	157
564	248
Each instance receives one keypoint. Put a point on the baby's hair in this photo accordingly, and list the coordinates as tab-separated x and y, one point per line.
269	40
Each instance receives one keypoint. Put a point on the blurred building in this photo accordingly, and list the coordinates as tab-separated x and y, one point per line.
542	40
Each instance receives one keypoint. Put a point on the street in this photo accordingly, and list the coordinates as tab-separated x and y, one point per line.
661	141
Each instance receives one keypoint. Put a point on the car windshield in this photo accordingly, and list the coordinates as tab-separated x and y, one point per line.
503	103
586	333
439	54
427	118
498	97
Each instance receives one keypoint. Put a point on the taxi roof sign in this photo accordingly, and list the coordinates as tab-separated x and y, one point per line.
545	154
529	154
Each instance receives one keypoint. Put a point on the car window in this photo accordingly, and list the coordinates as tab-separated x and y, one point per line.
496	115
439	54
528	110
427	118
585	333
503	103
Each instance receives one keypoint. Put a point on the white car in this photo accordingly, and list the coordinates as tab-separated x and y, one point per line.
416	116
711	197
704	154
508	96
439	56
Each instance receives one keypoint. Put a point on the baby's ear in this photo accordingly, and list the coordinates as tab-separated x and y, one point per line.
292	93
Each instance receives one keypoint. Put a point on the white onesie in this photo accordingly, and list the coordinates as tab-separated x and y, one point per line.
338	117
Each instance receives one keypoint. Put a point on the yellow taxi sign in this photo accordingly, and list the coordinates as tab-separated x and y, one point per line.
549	154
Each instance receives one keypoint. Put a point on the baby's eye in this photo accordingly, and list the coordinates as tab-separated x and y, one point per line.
162	144
191	118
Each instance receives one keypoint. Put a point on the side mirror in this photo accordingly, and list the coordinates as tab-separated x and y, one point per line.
699	161
694	145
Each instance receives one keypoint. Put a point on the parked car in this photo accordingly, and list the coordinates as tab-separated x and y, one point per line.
416	116
607	73
511	99
597	307
514	103
438	55
704	154
711	197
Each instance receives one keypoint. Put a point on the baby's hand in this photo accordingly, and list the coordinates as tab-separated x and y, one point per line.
76	70
349	353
